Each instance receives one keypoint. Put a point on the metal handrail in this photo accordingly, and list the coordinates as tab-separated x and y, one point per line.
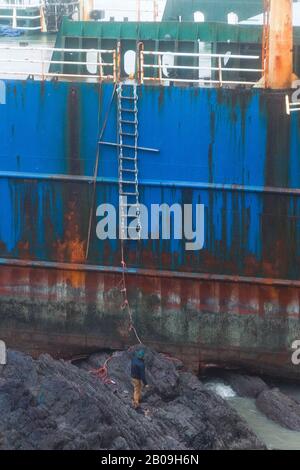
201	54
15	16
159	67
113	65
44	62
21	17
69	4
291	107
20	6
53	49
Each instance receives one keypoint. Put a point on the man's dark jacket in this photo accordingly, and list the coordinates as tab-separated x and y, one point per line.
138	370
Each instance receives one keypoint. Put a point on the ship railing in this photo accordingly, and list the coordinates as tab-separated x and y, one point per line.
23	62
16	19
55	10
166	73
21	4
293	106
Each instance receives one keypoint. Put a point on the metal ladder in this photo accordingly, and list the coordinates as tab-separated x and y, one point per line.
127	116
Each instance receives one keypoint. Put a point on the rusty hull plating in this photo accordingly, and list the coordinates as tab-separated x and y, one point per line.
235	302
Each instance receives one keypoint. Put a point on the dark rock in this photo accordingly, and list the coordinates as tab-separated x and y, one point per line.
49	404
245	385
280	408
162	373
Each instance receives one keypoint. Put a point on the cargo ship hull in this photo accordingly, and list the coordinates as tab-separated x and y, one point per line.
234	302
203	321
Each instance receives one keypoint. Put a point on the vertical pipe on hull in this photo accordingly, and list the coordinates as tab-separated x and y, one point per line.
279	59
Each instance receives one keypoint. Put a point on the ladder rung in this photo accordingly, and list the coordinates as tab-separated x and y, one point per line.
128	194
129	170
129	205
129	134
131	98
128	158
128	182
128	215
124	110
124	121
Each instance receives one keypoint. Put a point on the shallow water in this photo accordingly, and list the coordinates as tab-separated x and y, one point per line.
271	433
220	388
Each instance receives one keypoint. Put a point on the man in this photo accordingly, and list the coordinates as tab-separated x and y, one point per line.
138	376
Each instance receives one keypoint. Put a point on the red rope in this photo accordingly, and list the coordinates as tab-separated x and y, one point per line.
102	372
126	304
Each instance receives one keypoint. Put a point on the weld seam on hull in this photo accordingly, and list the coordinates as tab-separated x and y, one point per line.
167	183
149	272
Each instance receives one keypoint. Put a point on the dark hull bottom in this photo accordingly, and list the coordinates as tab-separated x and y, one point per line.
205	321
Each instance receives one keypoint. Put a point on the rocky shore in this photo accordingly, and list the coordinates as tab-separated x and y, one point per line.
50	404
275	405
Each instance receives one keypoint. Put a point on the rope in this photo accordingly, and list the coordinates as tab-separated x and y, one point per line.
102	372
126	304
96	172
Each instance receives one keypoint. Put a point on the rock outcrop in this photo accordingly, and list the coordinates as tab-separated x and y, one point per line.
50	404
245	385
280	408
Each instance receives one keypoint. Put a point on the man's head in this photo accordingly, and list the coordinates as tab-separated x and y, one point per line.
140	354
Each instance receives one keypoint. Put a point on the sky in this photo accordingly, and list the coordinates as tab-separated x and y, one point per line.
119	9
259	18
128	8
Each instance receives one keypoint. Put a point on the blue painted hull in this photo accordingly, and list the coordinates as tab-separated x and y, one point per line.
235	151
